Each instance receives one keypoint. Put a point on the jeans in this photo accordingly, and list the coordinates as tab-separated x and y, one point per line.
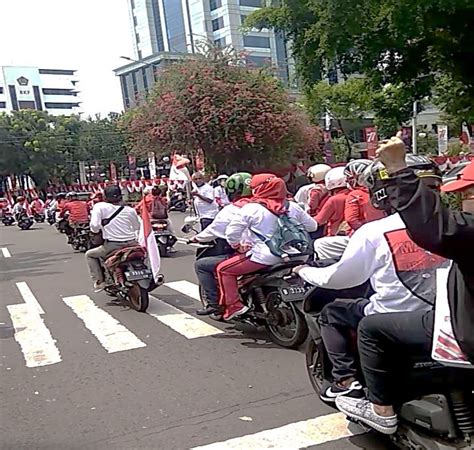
94	255
338	319
206	273
389	344
205	222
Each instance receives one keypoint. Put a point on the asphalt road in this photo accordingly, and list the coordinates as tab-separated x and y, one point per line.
80	373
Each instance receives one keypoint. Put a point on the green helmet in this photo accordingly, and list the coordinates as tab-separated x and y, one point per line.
238	185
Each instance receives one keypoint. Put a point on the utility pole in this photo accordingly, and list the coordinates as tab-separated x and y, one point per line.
414	148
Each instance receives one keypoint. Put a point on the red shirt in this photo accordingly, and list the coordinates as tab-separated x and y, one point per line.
78	211
359	209
317	197
37	205
332	213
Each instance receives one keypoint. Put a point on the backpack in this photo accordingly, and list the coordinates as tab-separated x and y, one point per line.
158	209
290	239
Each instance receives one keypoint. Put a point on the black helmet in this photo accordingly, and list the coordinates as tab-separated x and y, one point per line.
375	177
112	194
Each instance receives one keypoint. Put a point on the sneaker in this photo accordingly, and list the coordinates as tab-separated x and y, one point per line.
362	410
355	390
99	286
235	310
208	310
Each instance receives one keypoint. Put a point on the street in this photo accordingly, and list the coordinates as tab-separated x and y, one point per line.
81	372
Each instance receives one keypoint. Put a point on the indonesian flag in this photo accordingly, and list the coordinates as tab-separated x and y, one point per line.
146	239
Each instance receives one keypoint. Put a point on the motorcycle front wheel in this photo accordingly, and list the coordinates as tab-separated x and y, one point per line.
139	298
287	326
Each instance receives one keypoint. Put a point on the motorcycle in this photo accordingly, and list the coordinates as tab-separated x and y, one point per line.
128	278
51	216
438	412
39	217
62	224
7	218
24	221
80	238
164	238
177	201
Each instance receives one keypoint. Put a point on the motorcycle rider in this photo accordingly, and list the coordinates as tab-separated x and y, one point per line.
358	210
220	192
78	211
37	206
401	275
120	231
157	205
256	219
311	196
204	201
388	342
238	191
20	207
51	203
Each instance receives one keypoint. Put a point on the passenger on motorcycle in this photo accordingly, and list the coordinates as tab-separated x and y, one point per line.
238	191
20	207
157	205
400	272
389	343
311	196
78	211
358	210
257	219
331	215
119	225
37	206
220	195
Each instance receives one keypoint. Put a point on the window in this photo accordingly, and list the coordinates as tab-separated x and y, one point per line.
137	38
220	43
135	21
145	79
123	84
53	105
257	41
14	98
26	105
52	91
3	105
56	72
214	4
1	90
37	95
140	55
132	4
134	82
258	61
255	3
217	24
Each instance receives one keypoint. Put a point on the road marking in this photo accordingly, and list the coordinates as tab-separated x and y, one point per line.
113	336
179	321
185	287
6	252
293	436
37	344
28	297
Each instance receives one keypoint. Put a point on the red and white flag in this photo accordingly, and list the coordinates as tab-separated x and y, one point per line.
146	239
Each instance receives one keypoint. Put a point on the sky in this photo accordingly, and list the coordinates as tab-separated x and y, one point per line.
87	35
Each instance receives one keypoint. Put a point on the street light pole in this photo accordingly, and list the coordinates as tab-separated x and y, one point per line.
413	128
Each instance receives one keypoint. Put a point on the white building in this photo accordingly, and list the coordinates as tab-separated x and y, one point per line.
52	90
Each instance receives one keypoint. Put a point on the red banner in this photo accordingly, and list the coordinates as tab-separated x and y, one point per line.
372	141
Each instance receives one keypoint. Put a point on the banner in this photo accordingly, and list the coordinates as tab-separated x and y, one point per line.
442	139
328	153
152	165
113	171
372	141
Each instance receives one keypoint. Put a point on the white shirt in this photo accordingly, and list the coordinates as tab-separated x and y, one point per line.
401	273
302	196
220	194
124	226
219	225
256	217
204	209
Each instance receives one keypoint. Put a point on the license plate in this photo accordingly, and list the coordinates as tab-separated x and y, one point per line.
133	275
295	292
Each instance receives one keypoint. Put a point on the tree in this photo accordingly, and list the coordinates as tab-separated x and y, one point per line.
404	43
240	118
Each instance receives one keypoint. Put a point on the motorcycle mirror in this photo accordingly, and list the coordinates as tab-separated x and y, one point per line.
186	229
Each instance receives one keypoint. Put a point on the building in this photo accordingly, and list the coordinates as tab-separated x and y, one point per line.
177	27
52	90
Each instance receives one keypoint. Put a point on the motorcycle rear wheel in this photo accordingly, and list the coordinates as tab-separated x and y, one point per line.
299	331
314	366
138	297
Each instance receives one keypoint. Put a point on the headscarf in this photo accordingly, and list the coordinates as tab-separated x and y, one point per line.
270	191
241	201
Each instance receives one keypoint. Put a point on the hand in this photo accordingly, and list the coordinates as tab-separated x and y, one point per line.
298	268
193	240
391	153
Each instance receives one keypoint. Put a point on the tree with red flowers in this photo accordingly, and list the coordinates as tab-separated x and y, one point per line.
241	118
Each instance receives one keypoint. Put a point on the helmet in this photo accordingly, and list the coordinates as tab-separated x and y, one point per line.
49	195
335	178
354	172
112	194
317	172
376	175
222	177
147	190
20	198
238	185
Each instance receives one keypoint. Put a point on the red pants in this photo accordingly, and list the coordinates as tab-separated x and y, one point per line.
227	273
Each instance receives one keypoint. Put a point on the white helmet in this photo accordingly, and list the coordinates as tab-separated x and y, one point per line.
317	172
335	178
147	189
354	172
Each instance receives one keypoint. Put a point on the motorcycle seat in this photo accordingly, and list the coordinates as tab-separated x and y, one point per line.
277	267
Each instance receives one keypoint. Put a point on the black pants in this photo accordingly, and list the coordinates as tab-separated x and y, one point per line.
389	344
338	320
205	223
206	273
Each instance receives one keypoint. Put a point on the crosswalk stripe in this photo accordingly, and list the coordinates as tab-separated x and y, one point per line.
294	436
179	321
185	287
29	297
6	253
37	344
112	335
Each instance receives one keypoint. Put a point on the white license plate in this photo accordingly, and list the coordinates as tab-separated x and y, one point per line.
140	274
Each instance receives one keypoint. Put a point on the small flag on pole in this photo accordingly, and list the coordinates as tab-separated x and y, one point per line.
146	239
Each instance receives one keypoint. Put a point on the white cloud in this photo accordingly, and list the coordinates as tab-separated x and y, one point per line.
87	35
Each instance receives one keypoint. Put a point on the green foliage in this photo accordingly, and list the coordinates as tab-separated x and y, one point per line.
427	144
456	149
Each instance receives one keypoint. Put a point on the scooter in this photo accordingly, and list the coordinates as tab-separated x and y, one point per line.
439	412
24	221
177	201
51	216
39	217
164	238
80	238
7	218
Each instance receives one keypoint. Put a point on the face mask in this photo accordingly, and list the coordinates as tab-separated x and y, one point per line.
468	205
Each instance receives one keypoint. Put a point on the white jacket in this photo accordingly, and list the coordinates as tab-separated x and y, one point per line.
217	228
254	216
401	273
